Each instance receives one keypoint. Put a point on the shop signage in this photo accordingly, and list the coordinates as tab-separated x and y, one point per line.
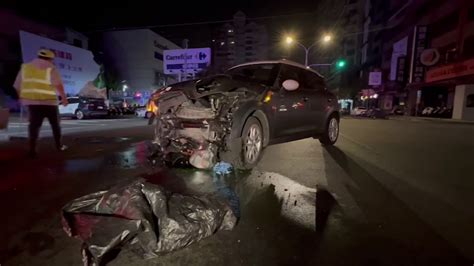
375	78
401	69
430	57
451	71
419	45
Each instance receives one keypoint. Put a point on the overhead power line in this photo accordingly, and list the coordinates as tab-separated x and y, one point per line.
198	23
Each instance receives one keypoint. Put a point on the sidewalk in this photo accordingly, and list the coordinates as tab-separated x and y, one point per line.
431	119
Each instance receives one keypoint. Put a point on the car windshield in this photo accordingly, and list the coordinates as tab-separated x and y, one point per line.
260	73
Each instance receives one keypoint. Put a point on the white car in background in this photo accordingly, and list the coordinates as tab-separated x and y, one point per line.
81	107
358	111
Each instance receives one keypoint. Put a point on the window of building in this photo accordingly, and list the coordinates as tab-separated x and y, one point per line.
378	36
468	49
249	54
471	14
248	48
470	100
248	30
77	43
159	56
248	42
444	25
376	50
350	52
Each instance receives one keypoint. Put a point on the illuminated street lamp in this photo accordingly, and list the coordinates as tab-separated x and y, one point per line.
290	40
327	38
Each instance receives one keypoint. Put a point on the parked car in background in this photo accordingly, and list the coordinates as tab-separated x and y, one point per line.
83	107
143	111
120	107
233	116
398	110
359	111
376	113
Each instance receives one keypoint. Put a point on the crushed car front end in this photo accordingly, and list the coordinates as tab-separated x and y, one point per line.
194	120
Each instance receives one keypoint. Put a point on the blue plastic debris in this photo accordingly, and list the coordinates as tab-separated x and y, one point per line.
223	168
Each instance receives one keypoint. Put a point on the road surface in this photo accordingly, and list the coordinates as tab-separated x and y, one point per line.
389	193
19	128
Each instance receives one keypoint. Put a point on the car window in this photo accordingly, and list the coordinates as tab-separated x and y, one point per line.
312	81
73	100
261	73
304	77
289	72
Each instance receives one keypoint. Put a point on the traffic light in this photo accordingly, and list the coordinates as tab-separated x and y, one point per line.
340	64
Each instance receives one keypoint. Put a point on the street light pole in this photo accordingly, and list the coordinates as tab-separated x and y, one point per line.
306	52
290	40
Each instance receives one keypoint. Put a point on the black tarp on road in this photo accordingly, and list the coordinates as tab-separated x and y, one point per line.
143	217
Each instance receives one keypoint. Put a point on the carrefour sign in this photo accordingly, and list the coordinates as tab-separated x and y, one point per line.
76	65
178	60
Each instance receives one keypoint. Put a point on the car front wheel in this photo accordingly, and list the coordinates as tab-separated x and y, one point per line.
331	132
249	149
80	115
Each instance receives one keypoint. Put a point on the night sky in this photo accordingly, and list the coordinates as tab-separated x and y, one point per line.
92	15
306	18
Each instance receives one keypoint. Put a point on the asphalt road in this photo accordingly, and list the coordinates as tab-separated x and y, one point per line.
19	128
389	193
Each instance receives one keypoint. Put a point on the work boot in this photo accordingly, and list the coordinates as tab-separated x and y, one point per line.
63	148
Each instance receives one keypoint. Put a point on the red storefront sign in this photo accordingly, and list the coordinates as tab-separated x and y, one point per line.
451	71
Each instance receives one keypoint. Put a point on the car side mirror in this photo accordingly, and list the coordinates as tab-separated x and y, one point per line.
290	85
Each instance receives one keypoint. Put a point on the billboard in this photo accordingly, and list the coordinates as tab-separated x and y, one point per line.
81	75
186	60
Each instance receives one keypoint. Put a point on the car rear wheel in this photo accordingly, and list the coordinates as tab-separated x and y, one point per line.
79	115
249	150
331	133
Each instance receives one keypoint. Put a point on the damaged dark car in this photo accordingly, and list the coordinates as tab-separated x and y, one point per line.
233	116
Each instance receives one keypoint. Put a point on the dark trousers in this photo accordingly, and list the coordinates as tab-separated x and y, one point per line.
37	113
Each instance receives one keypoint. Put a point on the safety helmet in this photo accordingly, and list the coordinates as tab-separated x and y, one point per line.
46	53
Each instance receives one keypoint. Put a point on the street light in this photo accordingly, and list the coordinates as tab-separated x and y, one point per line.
327	38
289	40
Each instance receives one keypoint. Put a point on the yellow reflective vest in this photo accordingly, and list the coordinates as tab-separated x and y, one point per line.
36	83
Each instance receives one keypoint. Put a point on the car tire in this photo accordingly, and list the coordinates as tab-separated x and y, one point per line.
249	150
331	131
79	115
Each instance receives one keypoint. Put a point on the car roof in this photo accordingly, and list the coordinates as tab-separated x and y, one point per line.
281	61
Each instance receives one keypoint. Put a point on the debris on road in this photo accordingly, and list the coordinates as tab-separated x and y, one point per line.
223	168
144	217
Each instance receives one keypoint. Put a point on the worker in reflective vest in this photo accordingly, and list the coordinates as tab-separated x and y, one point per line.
38	83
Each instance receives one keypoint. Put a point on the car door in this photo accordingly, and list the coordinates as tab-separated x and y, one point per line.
293	107
316	93
66	110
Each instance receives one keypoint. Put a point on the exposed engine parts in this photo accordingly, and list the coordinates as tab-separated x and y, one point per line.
194	131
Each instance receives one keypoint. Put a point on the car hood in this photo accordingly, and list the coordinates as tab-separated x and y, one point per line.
198	88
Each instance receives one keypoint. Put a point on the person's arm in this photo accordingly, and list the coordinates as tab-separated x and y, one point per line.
58	83
17	84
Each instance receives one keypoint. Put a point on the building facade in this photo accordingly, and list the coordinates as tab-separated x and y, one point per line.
137	58
10	49
427	51
238	42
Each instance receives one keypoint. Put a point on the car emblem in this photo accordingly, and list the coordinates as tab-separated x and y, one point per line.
282	108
